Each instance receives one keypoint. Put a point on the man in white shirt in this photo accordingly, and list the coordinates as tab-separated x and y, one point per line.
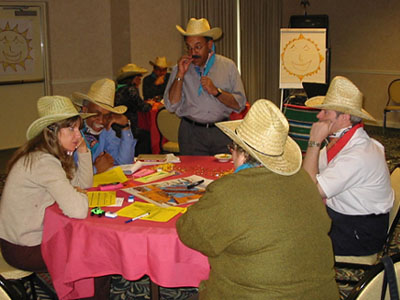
350	171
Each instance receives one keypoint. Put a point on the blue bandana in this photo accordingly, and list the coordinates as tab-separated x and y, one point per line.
245	166
209	63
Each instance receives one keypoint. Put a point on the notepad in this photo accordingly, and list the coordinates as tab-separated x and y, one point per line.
156	213
101	198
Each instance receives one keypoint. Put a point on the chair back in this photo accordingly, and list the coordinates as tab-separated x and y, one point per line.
168	124
370	286
394	91
394	212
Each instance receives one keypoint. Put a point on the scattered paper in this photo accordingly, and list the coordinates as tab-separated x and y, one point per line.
171	192
156	213
111	176
99	199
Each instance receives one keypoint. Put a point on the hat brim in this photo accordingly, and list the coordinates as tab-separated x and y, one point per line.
318	102
214	33
287	164
163	67
130	74
78	99
38	125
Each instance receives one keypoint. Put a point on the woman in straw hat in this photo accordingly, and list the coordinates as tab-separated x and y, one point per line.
127	93
264	239
40	173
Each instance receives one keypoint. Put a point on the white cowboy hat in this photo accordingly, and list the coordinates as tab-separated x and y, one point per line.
263	133
160	62
342	96
52	109
130	70
101	93
200	27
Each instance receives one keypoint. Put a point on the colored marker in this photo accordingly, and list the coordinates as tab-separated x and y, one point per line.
137	218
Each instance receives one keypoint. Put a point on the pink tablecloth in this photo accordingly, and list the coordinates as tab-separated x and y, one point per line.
75	251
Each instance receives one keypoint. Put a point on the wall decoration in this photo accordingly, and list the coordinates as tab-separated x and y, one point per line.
302	57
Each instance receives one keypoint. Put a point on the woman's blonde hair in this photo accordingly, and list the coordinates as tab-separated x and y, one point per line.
47	141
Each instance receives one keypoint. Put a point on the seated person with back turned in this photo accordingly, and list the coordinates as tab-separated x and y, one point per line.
203	88
127	94
264	239
106	148
154	84
350	172
40	173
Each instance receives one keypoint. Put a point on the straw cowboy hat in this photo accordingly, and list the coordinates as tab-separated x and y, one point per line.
101	93
160	62
130	70
263	133
200	27
52	109
342	96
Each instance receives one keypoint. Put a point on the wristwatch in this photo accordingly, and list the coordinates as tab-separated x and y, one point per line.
314	144
219	93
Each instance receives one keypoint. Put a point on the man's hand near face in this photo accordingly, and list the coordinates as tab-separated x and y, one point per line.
117	119
103	162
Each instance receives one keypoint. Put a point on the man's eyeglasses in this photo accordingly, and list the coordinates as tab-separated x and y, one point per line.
197	47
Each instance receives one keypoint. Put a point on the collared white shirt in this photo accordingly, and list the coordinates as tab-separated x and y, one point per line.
357	180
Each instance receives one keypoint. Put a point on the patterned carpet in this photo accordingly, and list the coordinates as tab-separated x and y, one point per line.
140	290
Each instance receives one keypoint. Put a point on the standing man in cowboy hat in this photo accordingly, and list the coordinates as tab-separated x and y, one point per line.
107	149
128	81
204	88
248	223
154	84
350	172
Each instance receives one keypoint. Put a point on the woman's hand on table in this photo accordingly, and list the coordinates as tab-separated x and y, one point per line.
80	190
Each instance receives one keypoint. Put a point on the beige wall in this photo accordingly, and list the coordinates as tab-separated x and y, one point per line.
365	44
92	39
153	31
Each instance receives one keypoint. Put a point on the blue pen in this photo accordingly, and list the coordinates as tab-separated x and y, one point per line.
138	217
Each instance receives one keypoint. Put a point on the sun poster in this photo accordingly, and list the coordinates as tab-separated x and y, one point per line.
20	50
302	57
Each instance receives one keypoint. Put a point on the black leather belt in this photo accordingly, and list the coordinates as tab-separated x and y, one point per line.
207	125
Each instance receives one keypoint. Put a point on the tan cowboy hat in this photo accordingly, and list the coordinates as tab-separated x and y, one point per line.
130	70
200	27
342	96
160	62
263	133
52	109
101	93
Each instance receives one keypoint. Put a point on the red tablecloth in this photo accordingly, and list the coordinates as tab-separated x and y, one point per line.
75	251
148	121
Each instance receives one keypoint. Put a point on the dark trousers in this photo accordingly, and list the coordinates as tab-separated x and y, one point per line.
197	140
358	235
30	259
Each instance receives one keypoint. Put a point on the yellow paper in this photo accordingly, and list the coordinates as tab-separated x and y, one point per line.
101	198
113	175
155	176
156	213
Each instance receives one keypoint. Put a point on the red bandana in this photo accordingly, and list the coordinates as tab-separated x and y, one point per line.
332	152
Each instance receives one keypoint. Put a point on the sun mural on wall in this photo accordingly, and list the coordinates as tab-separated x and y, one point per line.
301	57
15	47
